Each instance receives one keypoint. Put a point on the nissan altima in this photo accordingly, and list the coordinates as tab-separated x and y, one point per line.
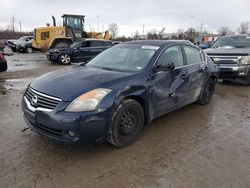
113	96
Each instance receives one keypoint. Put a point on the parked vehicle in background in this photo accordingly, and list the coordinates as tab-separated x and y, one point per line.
203	45
3	62
25	46
122	89
232	55
72	30
14	43
79	51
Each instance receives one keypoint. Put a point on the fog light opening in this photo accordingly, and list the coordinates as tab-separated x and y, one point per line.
71	133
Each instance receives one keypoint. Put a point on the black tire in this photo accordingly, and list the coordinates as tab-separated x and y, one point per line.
65	59
3	67
248	78
29	50
127	123
207	92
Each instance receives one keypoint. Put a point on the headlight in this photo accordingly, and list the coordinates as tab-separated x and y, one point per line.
88	101
245	60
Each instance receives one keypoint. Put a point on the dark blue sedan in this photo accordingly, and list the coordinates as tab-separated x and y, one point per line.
117	93
79	51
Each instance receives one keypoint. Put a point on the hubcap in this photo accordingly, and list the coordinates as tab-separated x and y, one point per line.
65	58
128	123
29	50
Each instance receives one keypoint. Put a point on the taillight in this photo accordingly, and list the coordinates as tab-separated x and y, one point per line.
1	56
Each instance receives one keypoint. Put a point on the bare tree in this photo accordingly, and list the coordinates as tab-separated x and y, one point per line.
244	27
137	35
161	33
191	33
225	31
113	30
152	34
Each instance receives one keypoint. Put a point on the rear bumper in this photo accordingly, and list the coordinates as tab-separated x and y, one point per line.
87	127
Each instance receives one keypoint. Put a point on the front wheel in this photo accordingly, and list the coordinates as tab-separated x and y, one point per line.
207	92
65	59
29	50
248	78
127	123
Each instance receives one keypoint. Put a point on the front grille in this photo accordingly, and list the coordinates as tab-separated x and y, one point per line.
41	100
225	59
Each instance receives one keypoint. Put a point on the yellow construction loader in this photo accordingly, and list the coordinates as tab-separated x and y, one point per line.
62	36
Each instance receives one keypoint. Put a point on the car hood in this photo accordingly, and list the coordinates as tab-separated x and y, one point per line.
69	83
12	40
228	51
61	49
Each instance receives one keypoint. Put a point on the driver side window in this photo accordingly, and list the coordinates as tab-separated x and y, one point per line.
172	54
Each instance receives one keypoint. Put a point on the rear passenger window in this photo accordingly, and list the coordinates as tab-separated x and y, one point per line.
192	54
98	43
85	44
172	54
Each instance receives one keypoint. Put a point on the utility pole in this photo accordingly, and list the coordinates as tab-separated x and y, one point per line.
13	23
143	29
97	20
20	25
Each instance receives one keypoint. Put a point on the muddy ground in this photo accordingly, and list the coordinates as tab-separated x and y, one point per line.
196	146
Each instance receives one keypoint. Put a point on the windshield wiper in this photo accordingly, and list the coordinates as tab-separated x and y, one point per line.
106	68
240	46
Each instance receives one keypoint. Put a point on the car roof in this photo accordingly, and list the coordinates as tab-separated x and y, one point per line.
158	42
241	35
92	39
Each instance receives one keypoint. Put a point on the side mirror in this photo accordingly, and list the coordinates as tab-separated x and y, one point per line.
164	67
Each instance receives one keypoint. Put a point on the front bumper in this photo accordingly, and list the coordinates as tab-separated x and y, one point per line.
87	127
20	48
53	56
233	71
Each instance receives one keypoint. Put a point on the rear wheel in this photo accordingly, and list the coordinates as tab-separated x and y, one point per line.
207	92
127	123
3	67
65	59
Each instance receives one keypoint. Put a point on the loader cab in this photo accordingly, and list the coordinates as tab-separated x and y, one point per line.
74	25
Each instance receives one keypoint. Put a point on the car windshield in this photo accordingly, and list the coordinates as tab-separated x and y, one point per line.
22	38
232	41
124	57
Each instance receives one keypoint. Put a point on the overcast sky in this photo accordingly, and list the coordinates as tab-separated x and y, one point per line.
130	15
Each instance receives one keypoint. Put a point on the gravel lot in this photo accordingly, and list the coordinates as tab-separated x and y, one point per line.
196	146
